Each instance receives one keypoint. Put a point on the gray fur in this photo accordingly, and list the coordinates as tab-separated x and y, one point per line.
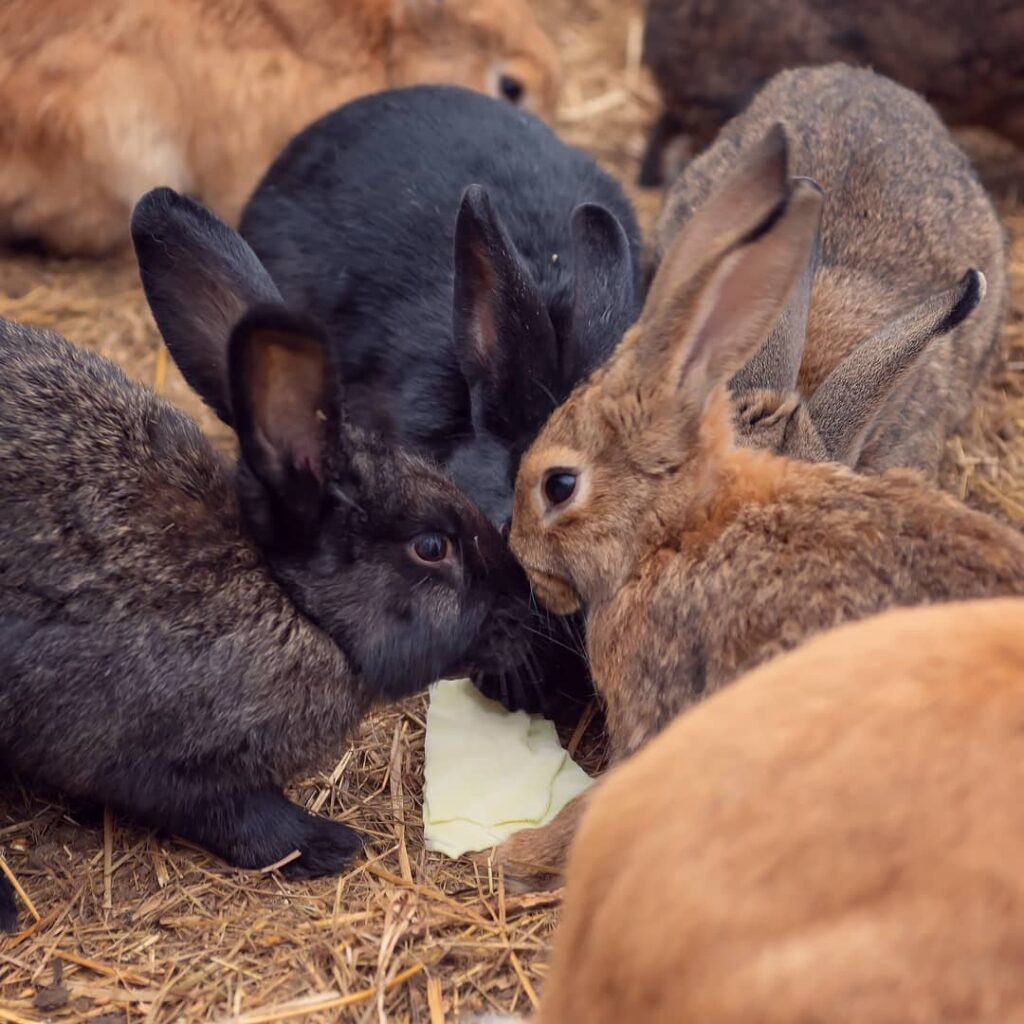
904	219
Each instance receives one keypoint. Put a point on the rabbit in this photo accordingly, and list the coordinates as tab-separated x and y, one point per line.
709	58
106	100
836	837
470	268
696	558
177	641
853	372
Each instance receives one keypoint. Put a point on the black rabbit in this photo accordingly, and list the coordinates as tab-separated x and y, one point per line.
176	640
470	269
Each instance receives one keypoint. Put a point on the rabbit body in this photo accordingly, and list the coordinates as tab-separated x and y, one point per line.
835	837
149	660
697	559
177	639
904	217
709	57
106	100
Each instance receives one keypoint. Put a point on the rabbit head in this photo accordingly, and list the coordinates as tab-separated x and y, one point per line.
374	545
519	365
493	46
832	424
645	436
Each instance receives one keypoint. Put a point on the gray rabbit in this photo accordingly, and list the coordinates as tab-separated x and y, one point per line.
177	640
866	366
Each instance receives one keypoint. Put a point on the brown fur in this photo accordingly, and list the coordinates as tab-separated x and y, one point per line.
105	100
904	218
837	837
697	560
709	57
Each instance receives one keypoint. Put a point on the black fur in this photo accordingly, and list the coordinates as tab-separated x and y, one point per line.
178	640
469	266
8	907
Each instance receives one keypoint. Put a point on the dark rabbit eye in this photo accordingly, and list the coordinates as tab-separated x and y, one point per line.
559	486
431	547
511	88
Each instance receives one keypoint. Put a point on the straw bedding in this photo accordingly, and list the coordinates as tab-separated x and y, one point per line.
127	927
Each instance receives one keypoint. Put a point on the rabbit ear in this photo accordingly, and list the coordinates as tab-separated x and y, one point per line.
715	326
279	394
856	393
750	197
775	365
503	333
199	277
605	302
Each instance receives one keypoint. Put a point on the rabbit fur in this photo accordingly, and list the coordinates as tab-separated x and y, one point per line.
709	58
865	366
837	836
697	559
471	269
105	100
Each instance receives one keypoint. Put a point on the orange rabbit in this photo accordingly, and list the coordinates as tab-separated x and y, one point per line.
105	100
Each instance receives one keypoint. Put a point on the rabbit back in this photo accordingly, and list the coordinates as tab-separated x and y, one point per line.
835	837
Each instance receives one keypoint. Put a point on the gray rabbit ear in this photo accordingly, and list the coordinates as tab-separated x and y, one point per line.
503	333
606	300
775	366
857	393
199	277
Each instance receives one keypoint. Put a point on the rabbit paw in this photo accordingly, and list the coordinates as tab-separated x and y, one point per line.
327	848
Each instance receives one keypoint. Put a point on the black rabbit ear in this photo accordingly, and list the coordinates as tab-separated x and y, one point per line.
199	277
607	294
503	332
280	393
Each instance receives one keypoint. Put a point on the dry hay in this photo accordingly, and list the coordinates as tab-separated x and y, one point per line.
127	927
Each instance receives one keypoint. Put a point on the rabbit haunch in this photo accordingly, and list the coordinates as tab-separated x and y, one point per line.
696	559
177	640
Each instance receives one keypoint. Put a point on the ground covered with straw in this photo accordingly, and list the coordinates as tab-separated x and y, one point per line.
124	926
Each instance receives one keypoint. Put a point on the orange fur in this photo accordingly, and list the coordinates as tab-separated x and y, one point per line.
697	560
105	100
837	837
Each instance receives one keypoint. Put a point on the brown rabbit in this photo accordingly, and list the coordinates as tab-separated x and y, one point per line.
696	559
837	837
709	57
105	100
856	377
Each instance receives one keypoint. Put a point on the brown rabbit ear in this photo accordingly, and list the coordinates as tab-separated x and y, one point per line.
280	394
756	191
700	346
775	366
858	391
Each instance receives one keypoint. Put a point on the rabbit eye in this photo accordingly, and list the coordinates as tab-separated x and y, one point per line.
431	548
559	486
511	88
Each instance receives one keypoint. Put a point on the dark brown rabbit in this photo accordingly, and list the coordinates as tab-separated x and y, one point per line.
178	640
865	367
697	559
709	57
